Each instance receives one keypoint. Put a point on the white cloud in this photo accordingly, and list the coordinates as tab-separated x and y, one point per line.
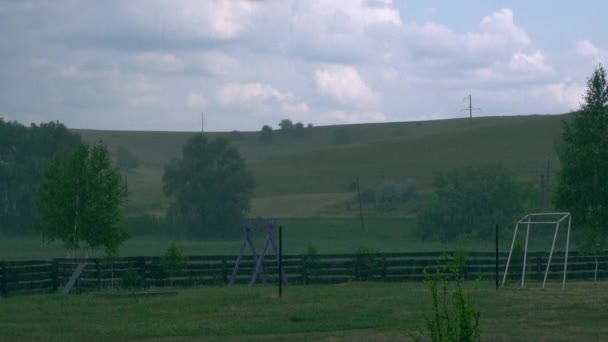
344	84
356	117
212	19
235	93
196	100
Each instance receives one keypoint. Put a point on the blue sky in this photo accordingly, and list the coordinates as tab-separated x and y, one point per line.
155	65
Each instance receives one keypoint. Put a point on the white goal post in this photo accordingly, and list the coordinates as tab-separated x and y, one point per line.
540	219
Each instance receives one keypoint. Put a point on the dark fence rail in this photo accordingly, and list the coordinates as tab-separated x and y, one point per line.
37	276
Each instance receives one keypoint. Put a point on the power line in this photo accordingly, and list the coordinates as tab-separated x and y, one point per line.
470	108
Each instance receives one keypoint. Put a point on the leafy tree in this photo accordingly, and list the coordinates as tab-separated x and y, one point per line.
81	201
125	159
24	155
298	129
470	201
309	125
583	186
210	188
266	135
341	136
286	124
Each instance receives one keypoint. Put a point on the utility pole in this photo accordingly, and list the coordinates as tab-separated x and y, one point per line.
202	122
470	108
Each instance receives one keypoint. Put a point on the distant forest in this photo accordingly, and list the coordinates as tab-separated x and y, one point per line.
24	155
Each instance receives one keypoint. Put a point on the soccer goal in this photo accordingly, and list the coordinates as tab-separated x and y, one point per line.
535	219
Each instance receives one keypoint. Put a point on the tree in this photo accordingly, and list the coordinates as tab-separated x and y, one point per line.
81	201
298	129
125	159
24	155
266	135
469	202
583	187
286	124
210	188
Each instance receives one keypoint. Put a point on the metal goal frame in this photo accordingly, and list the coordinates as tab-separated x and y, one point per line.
540	219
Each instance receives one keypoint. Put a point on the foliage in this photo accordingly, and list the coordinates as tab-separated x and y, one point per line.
454	316
265	135
341	136
286	124
24	155
583	184
298	129
236	135
469	202
309	125
310	264
210	189
125	159
81	201
173	262
365	265
132	280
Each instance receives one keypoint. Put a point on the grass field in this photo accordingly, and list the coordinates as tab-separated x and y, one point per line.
293	168
337	235
346	312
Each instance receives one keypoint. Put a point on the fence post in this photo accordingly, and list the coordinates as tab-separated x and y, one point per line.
303	270
539	266
383	268
98	273
4	281
143	270
54	275
224	270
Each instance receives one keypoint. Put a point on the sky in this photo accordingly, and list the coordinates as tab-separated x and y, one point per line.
157	65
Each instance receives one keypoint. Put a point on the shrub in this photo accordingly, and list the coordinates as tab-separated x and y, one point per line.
365	265
173	262
310	264
454	315
132	280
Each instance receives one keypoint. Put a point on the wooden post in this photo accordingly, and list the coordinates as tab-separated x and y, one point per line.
303	270
143	272
224	270
280	261
496	269
54	275
4	281
539	266
98	273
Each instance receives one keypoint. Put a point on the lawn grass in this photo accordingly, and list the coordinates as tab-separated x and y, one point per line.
349	312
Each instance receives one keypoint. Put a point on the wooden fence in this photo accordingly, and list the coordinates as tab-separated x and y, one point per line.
18	277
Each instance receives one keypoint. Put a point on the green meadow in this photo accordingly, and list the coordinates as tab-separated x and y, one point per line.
310	176
345	312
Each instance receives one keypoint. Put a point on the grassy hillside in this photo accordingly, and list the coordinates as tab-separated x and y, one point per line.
309	176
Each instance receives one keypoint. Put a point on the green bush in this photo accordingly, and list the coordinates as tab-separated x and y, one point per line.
132	280
365	265
310	264
454	315
173	262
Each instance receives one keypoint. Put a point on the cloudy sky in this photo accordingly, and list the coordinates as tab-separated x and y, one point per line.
155	65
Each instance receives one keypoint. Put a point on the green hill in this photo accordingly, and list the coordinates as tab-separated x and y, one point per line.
310	176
